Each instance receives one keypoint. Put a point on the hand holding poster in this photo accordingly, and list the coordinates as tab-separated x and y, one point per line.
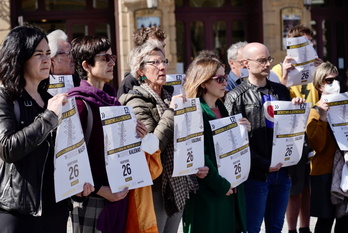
303	55
232	150
71	163
338	117
60	84
188	137
289	122
126	165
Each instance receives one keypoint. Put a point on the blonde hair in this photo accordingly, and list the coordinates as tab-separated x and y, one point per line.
201	72
320	73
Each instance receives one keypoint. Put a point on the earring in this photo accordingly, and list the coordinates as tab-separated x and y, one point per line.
143	78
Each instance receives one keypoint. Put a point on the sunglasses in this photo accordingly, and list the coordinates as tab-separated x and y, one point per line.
330	80
107	57
220	79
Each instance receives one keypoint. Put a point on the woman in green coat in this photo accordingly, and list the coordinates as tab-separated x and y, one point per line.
216	206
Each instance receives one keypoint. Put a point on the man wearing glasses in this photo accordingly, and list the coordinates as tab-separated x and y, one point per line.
62	61
267	188
234	57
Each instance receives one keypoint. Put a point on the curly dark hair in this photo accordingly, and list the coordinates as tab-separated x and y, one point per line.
19	45
141	35
85	48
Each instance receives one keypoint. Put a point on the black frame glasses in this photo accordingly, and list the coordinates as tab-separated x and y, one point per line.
263	61
108	57
220	79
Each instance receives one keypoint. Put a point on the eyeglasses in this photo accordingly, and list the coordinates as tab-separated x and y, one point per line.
263	61
66	53
240	62
220	79
157	63
107	57
330	80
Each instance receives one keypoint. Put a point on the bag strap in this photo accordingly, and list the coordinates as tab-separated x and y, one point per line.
89	122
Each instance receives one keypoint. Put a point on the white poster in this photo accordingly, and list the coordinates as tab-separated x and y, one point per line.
126	165
303	55
176	81
232	150
60	84
338	117
188	137
290	122
71	163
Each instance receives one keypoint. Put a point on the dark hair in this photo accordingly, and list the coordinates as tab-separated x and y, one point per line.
298	31
19	45
141	35
85	48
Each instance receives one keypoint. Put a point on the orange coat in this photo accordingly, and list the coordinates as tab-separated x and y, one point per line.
321	139
141	217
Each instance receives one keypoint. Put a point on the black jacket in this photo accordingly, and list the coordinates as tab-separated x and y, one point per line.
247	100
24	150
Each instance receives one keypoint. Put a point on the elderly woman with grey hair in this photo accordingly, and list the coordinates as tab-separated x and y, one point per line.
153	106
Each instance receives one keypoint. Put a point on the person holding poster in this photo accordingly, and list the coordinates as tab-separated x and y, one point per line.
28	115
62	76
153	106
61	57
322	140
140	36
94	62
216	206
267	188
299	201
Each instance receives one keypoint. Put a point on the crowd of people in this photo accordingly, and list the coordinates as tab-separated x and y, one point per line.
204	202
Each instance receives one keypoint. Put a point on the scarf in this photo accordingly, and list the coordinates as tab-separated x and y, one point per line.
93	95
175	190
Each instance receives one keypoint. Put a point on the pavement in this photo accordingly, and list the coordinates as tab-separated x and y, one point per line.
285	227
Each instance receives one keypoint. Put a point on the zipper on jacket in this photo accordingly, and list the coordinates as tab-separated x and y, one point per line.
39	211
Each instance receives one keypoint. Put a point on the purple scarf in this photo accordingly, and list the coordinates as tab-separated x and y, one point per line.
113	216
95	96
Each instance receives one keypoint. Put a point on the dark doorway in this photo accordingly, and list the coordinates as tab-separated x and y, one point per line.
215	25
75	17
330	23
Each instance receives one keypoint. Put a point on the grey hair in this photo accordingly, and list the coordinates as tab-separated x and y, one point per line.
233	50
139	55
53	40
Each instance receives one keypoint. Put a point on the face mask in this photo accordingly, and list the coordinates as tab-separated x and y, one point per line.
333	88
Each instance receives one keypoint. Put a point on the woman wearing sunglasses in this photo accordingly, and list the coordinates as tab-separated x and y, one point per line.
322	140
216	206
95	63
